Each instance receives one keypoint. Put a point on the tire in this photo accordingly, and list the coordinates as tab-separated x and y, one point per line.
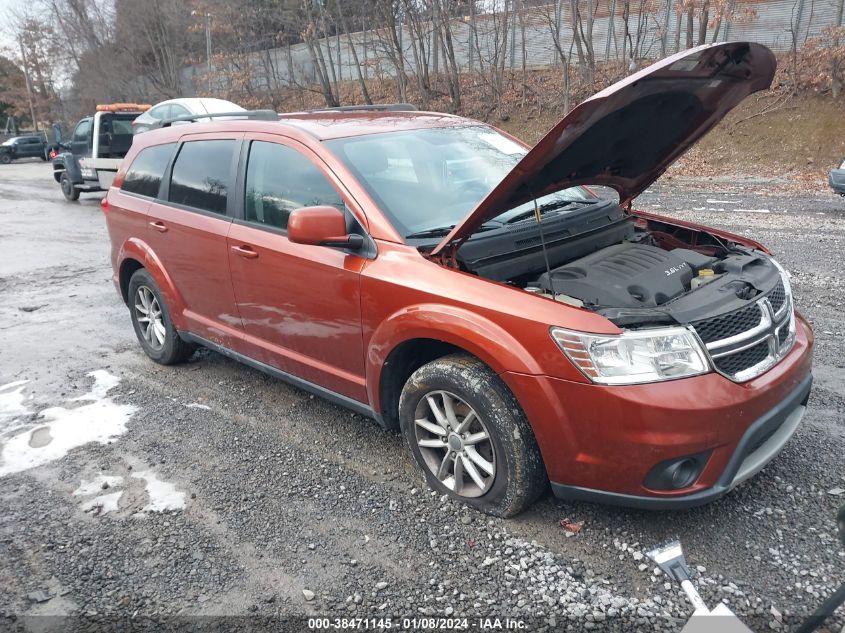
162	344
518	475
5	159
70	192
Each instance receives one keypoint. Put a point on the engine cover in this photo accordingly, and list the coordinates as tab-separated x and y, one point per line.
627	275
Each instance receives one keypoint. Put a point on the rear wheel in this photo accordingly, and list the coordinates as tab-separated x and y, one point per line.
151	320
70	192
469	436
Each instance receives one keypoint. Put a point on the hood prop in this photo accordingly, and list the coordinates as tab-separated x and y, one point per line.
539	218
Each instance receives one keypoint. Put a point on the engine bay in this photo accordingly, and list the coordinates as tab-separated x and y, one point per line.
631	271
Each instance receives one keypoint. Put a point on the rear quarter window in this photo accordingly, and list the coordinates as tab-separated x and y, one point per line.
201	175
145	173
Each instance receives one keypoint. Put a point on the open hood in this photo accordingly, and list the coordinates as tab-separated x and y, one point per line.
628	134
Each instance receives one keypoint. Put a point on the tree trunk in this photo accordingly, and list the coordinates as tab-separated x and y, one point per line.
575	16
702	22
678	32
361	82
690	25
626	14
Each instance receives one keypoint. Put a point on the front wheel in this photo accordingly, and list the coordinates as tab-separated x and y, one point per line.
469	436
70	192
151	321
5	159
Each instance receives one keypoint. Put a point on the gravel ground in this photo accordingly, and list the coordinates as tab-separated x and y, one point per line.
214	490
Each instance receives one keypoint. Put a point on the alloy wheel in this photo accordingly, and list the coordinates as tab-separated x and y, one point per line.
455	444
149	316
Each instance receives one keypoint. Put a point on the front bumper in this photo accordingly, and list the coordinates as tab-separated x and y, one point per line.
760	444
601	442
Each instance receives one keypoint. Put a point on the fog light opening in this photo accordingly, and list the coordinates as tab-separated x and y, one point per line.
683	473
677	473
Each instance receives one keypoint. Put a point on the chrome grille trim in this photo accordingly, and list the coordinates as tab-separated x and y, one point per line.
769	330
763	326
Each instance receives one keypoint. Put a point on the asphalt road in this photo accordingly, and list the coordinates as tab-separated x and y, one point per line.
210	489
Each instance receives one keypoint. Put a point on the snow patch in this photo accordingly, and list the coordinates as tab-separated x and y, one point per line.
65	429
197	405
163	495
103	504
96	485
754	210
11	401
723	201
103	383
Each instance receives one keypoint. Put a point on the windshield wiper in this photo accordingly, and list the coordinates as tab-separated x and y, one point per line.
550	206
443	231
439	231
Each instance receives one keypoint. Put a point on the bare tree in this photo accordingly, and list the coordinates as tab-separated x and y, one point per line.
419	27
352	50
552	19
445	38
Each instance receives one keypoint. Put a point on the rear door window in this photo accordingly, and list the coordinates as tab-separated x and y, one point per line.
160	112
278	180
144	175
177	110
201	175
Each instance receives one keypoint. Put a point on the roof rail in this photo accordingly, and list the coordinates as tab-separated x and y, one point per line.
258	115
376	107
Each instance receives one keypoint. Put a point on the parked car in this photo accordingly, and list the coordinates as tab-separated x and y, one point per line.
23	147
837	179
96	149
433	273
173	108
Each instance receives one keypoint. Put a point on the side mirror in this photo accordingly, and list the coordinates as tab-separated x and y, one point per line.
321	226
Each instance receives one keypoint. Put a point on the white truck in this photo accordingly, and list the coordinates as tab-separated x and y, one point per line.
94	152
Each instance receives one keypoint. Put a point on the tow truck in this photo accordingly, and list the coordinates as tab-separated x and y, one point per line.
96	148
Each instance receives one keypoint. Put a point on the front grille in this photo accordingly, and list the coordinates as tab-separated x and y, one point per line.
746	359
727	325
745	343
777	296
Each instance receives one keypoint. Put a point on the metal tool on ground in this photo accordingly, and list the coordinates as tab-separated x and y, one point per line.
670	558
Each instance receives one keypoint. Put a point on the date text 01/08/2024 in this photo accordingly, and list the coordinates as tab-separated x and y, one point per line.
417	624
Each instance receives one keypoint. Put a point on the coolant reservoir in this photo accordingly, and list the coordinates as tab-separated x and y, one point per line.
704	275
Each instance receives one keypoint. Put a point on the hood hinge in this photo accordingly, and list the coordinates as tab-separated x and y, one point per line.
448	257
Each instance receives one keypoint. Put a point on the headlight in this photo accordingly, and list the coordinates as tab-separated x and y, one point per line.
635	356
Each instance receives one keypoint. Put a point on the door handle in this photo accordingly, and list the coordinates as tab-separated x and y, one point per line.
245	251
159	226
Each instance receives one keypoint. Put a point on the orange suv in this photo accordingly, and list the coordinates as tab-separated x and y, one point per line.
439	276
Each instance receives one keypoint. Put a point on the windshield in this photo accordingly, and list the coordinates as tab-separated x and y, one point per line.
432	178
11	141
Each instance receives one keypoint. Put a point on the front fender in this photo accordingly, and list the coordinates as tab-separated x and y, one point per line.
140	251
69	163
462	328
